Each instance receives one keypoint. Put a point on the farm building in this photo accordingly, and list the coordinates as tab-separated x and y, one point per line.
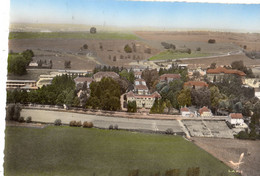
205	112
185	112
236	119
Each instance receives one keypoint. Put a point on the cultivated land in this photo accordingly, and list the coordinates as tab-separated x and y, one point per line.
78	151
230	150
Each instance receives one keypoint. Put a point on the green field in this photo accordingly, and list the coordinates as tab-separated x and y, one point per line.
72	35
165	55
76	151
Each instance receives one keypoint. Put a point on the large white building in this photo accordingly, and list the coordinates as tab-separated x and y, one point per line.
143	101
21	84
140	87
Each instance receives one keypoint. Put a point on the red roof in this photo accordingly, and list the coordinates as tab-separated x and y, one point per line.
138	73
226	71
173	76
83	79
204	109
236	116
141	87
185	109
196	83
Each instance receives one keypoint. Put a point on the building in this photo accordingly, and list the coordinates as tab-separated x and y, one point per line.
185	112
138	74
205	112
21	84
217	74
140	87
74	72
99	75
236	119
195	84
169	77
45	80
82	80
143	101
253	82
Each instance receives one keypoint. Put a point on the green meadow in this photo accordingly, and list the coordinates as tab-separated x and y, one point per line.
68	151
72	35
168	54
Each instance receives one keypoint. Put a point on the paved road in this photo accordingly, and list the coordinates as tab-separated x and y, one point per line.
103	121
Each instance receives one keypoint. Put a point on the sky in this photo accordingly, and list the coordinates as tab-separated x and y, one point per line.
177	15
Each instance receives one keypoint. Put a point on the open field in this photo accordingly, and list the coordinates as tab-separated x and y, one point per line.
166	55
78	151
59	50
225	60
72	35
252	41
230	150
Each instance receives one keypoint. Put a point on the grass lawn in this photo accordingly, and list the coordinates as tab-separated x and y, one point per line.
75	151
72	35
165	55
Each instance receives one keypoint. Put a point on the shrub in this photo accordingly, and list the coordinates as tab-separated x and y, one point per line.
127	49
79	124
110	127
57	122
242	135
211	41
189	51
93	30
198	49
87	124
85	46
116	127
28	119
21	119
73	123
169	131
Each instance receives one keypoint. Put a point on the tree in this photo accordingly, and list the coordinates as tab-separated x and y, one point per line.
85	46
93	30
131	106
211	41
216	97
67	64
200	97
150	76
213	65
13	112
17	65
127	49
184	97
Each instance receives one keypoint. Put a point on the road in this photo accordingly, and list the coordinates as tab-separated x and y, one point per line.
103	121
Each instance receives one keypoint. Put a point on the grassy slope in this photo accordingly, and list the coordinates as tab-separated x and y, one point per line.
78	151
72	35
165	55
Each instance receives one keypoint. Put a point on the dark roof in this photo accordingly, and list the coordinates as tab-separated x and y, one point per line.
83	79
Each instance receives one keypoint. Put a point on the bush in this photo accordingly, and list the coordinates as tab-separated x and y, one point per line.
79	124
211	41
85	46
28	119
169	131
73	123
110	127
57	122
128	49
198	49
93	30
21	119
116	127
242	135
87	124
